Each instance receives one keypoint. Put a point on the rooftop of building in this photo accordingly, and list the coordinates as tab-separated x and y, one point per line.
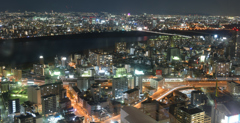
131	90
75	88
64	100
136	116
191	111
96	103
234	82
149	100
149	87
48	96
233	107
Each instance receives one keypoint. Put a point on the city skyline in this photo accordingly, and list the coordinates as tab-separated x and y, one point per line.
186	7
132	62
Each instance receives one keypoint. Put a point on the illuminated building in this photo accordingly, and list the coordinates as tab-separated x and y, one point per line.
65	103
237	71
84	83
13	106
1	70
93	20
87	73
138	79
96	92
120	72
154	23
76	57
130	82
30	107
50	104
17	74
237	44
185	115
156	110
6	73
63	61
148	89
104	60
51	88
156	82
41	60
120	47
131	96
119	85
93	58
131	114
226	112
173	54
4	87
233	88
132	49
197	98
28	118
39	69
223	68
34	94
56	62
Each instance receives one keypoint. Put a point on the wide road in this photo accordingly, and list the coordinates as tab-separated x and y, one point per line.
79	111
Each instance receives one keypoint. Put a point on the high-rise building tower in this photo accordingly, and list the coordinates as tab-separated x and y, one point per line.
41	60
154	23
197	98
56	61
63	60
13	106
237	44
119	85
49	104
76	57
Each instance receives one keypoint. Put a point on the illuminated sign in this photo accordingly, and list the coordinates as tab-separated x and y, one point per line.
64	58
139	72
40	57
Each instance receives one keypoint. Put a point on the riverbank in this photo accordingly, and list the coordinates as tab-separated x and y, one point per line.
83	35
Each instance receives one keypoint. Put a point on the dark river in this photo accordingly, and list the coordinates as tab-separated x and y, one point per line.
18	52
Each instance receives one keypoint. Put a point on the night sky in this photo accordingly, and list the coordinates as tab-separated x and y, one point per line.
201	7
